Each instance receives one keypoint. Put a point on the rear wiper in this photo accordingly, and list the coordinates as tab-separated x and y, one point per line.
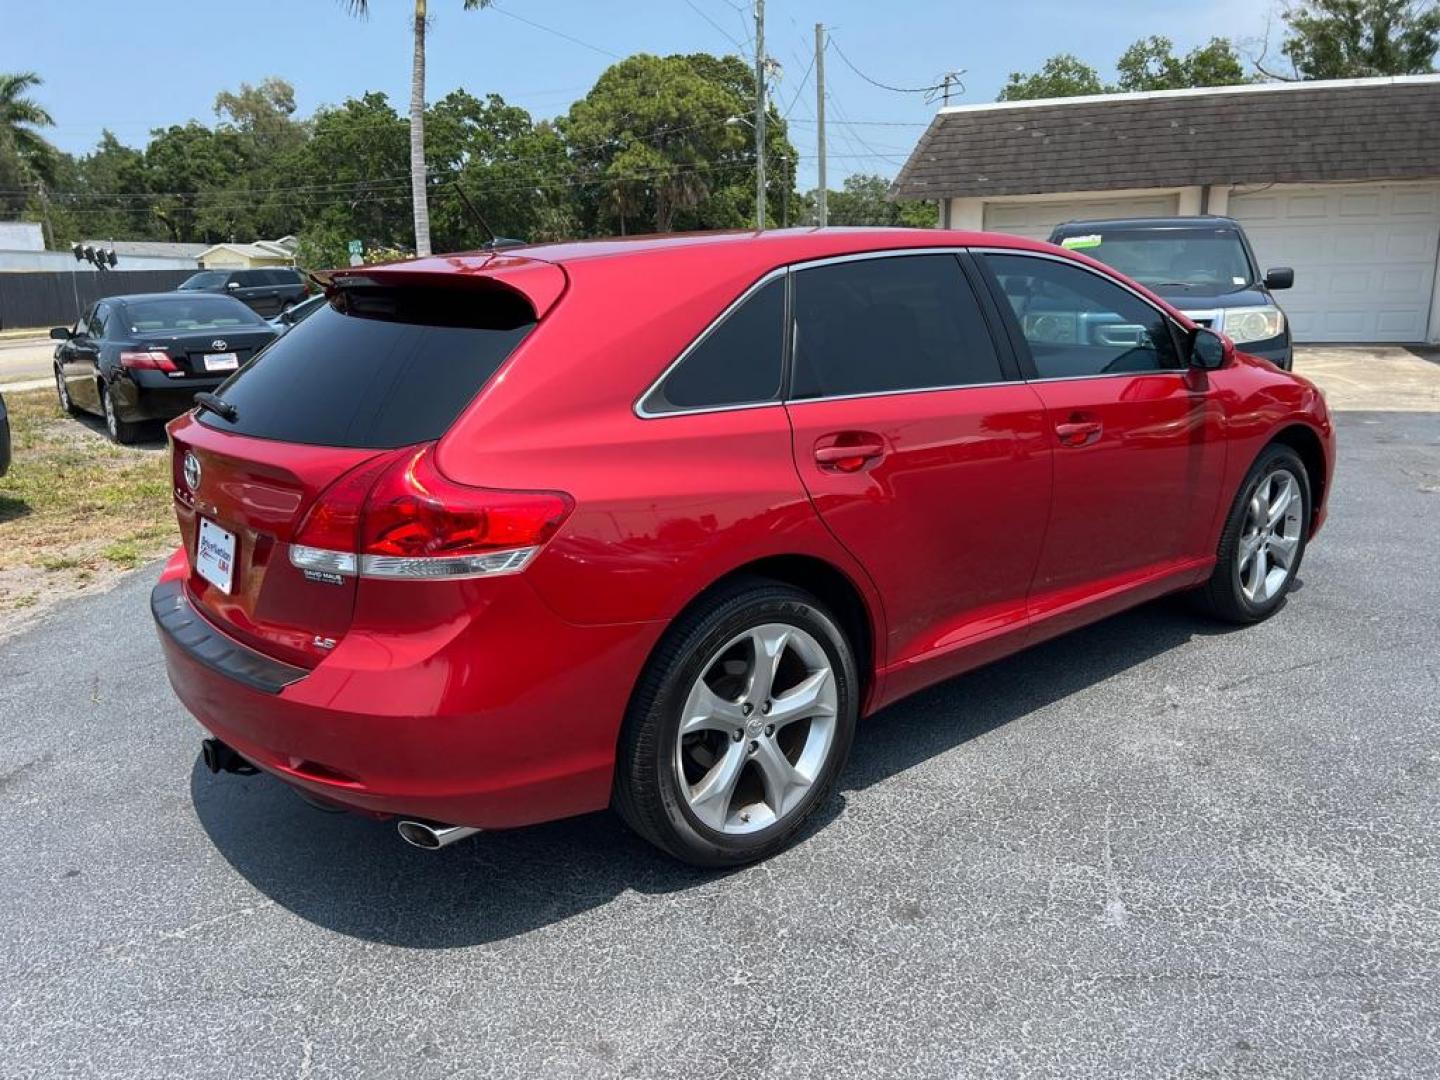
223	409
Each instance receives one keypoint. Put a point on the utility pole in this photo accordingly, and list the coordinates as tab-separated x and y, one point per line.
759	115
821	210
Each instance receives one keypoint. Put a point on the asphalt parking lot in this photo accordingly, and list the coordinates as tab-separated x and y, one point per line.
1156	847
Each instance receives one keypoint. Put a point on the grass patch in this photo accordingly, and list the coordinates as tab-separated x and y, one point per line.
74	501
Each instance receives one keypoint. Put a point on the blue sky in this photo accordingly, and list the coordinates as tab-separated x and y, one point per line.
138	64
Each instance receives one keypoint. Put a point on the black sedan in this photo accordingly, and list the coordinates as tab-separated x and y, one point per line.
136	358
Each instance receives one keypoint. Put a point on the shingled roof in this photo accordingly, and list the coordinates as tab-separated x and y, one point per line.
1353	129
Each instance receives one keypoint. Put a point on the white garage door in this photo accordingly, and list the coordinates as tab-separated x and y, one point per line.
1036	219
1364	256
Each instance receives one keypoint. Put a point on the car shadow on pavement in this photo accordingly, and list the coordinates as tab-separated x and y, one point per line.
355	876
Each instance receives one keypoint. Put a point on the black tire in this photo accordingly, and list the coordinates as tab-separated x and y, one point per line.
62	392
1223	595
120	431
647	791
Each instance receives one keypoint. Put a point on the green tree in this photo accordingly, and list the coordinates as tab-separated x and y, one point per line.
1060	76
20	116
26	158
418	172
107	197
185	166
515	172
666	140
1347	39
348	181
264	115
864	200
1151	64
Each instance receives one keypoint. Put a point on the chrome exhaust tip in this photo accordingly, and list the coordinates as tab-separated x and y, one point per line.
422	834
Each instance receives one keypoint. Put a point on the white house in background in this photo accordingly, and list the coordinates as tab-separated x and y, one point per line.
261	253
1340	180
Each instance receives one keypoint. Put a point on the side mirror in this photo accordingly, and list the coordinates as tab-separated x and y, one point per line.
1279	277
232	284
1208	350
60	333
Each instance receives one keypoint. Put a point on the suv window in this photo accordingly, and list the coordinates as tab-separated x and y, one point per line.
737	362
281	277
1077	323
388	367
906	322
206	279
251	278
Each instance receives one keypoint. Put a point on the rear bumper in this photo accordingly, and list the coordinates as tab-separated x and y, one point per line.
509	721
158	397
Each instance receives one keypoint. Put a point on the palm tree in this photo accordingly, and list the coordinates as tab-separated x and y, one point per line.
19	117
361	8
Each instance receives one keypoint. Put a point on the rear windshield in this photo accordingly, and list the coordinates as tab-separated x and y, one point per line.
180	313
376	368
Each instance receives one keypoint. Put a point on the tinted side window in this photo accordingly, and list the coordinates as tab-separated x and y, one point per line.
904	323
249	278
1077	323
100	322
737	363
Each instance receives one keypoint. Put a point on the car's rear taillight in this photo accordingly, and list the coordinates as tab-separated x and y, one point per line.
396	516
147	360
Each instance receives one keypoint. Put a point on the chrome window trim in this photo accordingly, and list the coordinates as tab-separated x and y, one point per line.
889	253
1177	327
645	413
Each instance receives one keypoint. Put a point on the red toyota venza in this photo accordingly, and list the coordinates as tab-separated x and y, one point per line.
498	538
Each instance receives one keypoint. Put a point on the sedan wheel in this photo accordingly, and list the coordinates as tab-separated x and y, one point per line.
121	431
62	391
738	726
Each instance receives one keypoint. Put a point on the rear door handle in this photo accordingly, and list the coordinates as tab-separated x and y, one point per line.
1076	432
850	456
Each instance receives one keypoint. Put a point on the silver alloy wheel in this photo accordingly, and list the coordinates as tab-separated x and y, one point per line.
757	728
1270	537
62	390
112	422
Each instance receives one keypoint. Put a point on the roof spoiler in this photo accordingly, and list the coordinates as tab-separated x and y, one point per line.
536	282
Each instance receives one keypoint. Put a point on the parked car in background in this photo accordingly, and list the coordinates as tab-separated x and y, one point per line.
269	291
144	357
1204	266
494	539
4	437
293	316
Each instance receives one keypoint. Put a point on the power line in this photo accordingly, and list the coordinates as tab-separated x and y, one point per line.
557	33
718	28
874	82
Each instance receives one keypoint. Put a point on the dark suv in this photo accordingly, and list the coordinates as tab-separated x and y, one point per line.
268	291
1203	265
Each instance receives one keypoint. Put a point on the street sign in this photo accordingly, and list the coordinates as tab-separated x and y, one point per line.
356	247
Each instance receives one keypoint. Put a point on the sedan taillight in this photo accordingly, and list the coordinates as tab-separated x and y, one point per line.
147	360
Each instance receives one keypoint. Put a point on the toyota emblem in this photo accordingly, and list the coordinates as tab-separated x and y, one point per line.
218	344
192	472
